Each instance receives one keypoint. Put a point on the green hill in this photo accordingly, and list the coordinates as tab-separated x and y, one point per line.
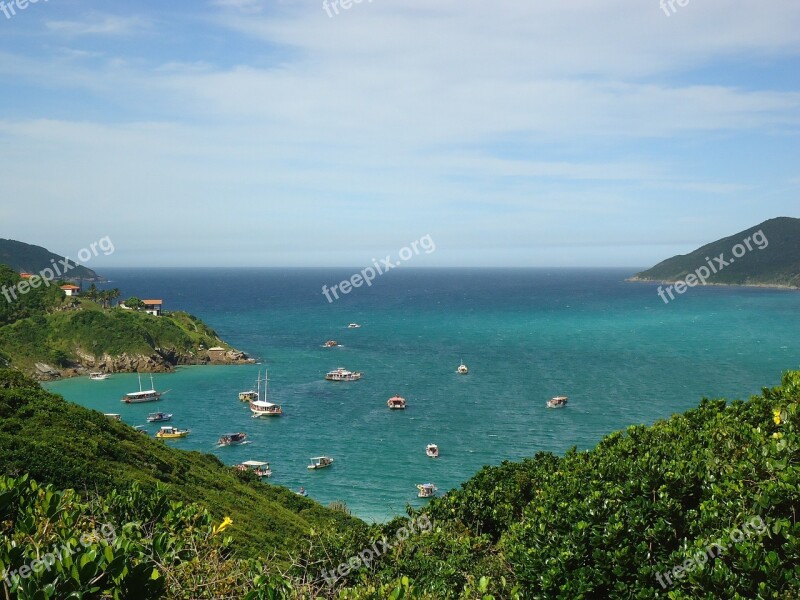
774	262
46	335
28	258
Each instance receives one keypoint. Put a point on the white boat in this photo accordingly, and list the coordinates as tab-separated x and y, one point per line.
248	396
426	490
396	403
462	369
262	408
159	417
114	416
150	395
140	429
302	492
98	376
342	374
233	439
320	462
557	402
331	344
432	450
260	469
354	326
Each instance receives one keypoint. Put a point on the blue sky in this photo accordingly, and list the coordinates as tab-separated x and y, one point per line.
522	133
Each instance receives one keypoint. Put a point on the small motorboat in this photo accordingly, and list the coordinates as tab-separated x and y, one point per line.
432	450
159	417
331	344
302	492
167	432
557	402
342	374
140	429
260	469
462	369
98	376
233	439
320	462
354	326
396	403
426	490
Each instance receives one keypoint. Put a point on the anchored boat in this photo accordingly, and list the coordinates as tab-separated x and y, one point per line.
320	462
396	403
426	490
233	439
342	374
167	432
150	395
557	402
263	408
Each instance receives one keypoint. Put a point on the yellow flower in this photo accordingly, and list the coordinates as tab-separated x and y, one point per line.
776	416
226	522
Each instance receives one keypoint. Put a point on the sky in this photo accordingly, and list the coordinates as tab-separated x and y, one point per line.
284	133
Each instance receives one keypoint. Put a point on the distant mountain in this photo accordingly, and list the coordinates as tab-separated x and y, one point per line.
765	255
32	259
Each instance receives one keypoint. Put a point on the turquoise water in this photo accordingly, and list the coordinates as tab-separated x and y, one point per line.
618	352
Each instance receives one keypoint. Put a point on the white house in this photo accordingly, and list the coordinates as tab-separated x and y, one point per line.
153	307
70	290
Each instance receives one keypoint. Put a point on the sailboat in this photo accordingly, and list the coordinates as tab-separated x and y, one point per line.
150	395
263	408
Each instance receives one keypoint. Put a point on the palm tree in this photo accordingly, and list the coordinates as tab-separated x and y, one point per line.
114	294
91	293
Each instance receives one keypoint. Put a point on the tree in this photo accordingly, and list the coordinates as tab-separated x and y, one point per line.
134	303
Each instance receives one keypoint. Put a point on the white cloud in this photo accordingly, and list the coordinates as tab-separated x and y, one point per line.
99	25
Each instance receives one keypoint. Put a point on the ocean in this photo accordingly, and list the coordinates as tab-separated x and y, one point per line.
621	355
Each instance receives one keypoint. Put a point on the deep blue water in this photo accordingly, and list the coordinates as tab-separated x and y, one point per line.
618	352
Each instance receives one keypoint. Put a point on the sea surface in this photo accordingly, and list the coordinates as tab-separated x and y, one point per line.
621	355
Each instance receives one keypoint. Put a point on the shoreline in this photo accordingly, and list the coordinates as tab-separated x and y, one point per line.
767	286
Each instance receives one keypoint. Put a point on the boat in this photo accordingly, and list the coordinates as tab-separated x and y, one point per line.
432	450
168	432
331	344
320	462
233	439
98	376
426	490
462	369
262	408
114	416
354	326
557	402
260	469
150	395
159	417
342	374
251	394
396	403
140	429
302	492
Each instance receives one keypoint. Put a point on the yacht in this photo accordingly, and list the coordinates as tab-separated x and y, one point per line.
98	376
263	408
342	374
150	395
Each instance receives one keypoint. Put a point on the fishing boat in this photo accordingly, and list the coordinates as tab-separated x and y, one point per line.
320	462
342	374
462	369
557	402
168	432
150	395
426	490
331	344
233	439
159	417
396	403
251	394
98	376
263	408
432	450
260	469
354	326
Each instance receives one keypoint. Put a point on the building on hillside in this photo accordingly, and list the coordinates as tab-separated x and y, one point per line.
70	290
25	275
153	307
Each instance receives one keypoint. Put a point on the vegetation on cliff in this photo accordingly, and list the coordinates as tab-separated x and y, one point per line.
774	263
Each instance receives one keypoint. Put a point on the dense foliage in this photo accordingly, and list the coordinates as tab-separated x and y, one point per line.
777	264
628	519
